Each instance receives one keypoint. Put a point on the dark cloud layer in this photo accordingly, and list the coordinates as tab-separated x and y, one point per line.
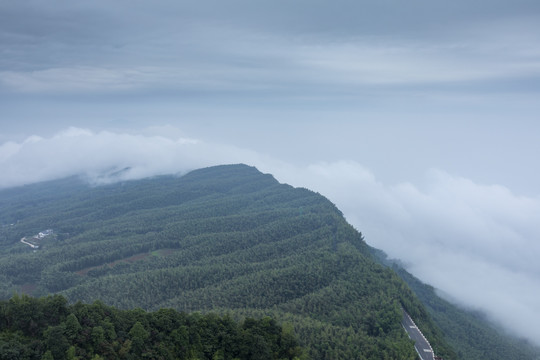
214	46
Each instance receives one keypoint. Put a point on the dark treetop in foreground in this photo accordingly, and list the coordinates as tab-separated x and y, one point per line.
47	328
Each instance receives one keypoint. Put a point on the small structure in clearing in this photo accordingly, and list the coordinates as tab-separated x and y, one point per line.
34	243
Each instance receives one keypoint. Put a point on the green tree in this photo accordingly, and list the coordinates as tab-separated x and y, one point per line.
71	353
98	337
110	332
138	336
47	355
72	327
56	341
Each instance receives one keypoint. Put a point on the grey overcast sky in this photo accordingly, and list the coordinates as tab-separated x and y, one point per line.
419	119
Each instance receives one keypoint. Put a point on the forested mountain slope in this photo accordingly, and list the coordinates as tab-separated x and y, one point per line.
472	335
225	239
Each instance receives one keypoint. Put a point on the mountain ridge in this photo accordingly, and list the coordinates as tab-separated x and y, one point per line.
228	239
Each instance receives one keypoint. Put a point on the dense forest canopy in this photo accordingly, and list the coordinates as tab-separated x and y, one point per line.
225	240
47	328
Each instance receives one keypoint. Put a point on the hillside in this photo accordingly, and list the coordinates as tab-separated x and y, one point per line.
472	335
225	239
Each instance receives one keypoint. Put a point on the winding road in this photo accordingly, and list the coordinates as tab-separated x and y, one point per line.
23	240
422	346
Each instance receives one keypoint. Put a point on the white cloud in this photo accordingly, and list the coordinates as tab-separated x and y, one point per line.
83	152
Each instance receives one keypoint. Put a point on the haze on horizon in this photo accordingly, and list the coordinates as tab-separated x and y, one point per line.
418	119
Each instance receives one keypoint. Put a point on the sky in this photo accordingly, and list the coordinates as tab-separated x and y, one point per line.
419	119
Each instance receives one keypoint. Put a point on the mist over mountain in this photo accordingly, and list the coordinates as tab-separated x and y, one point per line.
227	239
473	241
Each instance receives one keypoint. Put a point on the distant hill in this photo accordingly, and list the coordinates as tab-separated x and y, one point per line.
225	239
